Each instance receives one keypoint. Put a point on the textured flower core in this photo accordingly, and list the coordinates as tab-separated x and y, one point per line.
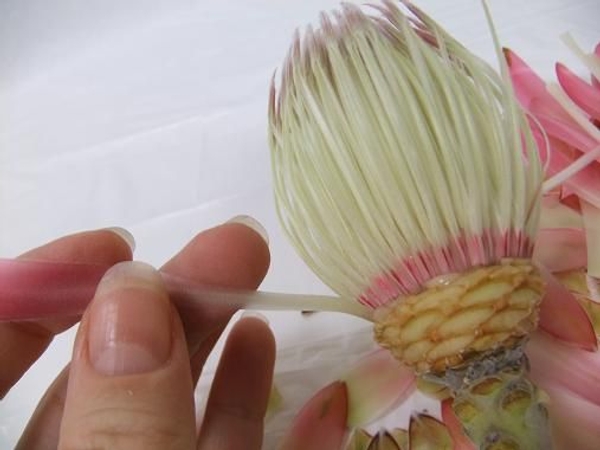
462	316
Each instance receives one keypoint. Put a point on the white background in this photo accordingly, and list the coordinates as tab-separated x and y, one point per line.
151	115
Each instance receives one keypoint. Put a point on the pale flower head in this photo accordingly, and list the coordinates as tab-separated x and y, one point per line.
398	155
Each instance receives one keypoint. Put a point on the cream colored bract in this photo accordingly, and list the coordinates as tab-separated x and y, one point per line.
392	145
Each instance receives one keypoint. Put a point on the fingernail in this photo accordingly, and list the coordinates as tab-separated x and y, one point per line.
252	223
123	234
130	321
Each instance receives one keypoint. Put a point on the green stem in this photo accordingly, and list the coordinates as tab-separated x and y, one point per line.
498	405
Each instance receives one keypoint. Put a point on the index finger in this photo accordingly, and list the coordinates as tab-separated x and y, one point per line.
235	255
21	343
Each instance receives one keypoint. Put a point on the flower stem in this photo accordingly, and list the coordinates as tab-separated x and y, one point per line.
498	405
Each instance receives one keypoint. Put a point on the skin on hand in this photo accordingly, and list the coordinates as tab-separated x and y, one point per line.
130	383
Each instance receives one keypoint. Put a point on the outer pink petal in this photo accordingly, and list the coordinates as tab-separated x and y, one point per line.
585	95
321	423
375	385
566	367
563	317
528	85
575	421
560	209
560	249
461	441
558	124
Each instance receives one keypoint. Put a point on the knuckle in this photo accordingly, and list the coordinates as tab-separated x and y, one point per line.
114	428
240	412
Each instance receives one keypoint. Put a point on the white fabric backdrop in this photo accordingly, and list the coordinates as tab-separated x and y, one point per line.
152	115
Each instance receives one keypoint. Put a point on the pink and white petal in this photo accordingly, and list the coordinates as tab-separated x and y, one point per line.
573	370
586	182
321	423
561	249
575	421
460	439
558	124
591	220
586	96
376	384
570	199
563	317
556	214
528	85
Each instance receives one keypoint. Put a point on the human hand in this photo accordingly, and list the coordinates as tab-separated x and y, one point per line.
130	383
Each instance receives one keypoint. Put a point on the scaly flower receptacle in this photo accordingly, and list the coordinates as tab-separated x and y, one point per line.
459	316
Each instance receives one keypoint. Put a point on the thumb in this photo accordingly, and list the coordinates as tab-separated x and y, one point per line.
130	385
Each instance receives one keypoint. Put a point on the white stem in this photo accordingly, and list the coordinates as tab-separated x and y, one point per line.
188	295
579	164
590	60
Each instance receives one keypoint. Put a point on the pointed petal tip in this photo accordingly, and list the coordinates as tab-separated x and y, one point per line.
584	95
427	432
321	423
563	317
377	384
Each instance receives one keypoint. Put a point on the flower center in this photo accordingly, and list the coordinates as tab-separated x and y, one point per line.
475	312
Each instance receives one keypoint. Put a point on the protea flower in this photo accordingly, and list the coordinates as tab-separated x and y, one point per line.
409	180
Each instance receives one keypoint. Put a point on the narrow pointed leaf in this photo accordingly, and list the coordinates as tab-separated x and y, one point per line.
427	433
321	423
401	438
359	440
383	441
585	95
529	86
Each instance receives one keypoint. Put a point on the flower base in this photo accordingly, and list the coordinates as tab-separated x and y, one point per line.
461	316
498	406
466	333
